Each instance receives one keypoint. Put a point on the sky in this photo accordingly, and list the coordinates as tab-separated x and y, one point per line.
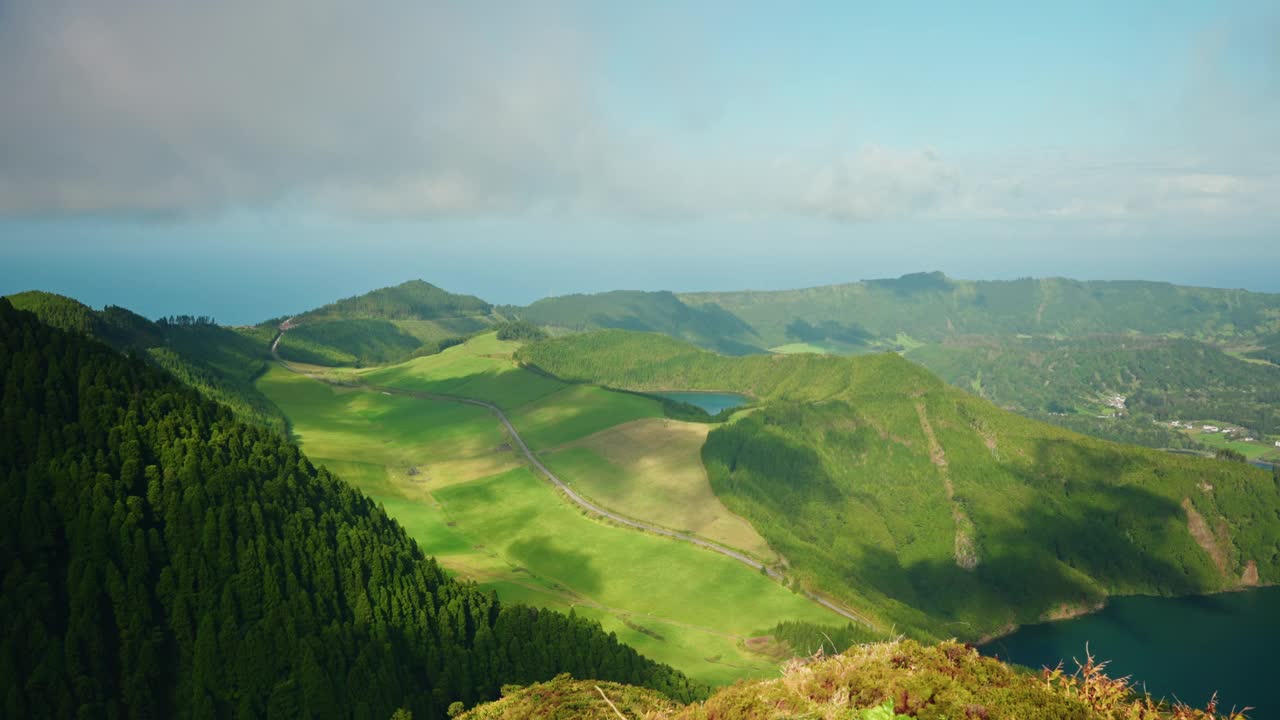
251	158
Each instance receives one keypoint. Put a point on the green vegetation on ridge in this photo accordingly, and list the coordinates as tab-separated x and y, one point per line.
881	484
931	307
1160	379
219	362
385	325
662	312
412	300
884	681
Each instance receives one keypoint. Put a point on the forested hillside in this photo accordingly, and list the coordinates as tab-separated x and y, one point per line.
164	559
1160	378
385	325
882	484
219	362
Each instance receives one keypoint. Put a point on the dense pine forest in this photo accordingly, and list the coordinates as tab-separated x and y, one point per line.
164	559
220	362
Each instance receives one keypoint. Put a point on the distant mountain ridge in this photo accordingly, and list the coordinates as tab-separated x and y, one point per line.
898	313
661	311
929	307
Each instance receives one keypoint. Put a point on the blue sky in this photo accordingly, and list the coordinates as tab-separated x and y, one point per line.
247	159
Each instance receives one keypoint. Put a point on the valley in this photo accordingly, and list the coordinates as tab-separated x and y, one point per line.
722	511
460	486
568	360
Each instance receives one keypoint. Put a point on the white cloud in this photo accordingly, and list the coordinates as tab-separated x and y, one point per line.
417	109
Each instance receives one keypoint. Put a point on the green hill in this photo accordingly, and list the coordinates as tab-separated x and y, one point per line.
412	300
882	485
930	307
1067	381
1072	325
221	363
885	681
163	559
385	325
900	313
706	325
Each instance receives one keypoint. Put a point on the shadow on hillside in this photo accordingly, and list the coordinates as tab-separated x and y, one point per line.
1060	554
544	556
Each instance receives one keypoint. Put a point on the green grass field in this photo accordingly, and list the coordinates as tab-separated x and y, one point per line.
470	501
577	411
651	469
478	369
1254	450
693	594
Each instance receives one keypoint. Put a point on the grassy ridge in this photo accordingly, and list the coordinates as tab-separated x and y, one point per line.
662	312
882	484
348	341
385	325
412	300
882	681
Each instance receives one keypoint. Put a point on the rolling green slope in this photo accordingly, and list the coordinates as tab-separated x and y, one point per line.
385	325
935	509
706	325
932	307
412	300
163	559
221	363
1162	379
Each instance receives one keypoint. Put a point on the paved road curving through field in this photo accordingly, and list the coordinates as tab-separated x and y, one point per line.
564	487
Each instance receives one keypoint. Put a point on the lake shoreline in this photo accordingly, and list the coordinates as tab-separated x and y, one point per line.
1160	642
1077	612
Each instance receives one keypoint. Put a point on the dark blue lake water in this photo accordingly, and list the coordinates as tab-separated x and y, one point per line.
1188	647
712	402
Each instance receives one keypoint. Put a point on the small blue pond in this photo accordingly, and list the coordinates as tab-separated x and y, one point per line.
712	402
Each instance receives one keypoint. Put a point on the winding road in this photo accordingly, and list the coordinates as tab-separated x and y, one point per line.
564	487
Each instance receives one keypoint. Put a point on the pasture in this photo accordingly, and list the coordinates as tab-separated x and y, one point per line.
697	604
651	469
